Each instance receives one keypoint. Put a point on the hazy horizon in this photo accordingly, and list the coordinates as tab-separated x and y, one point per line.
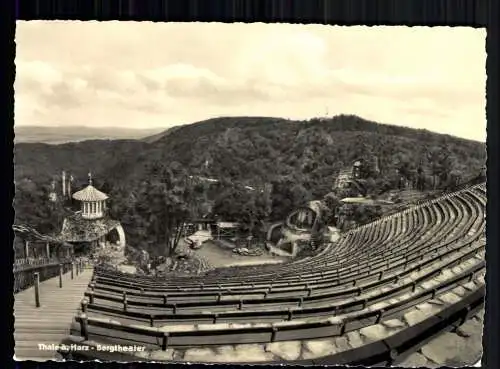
418	77
91	127
159	129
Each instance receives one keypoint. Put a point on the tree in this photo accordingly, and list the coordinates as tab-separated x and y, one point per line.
250	208
34	208
371	187
330	205
163	202
286	195
365	213
482	173
441	162
262	210
420	181
230	201
447	163
280	199
300	195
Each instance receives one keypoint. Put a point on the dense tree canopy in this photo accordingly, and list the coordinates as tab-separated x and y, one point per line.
161	205
286	163
260	150
32	207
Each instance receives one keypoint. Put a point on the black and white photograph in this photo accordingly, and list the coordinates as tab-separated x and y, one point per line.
249	193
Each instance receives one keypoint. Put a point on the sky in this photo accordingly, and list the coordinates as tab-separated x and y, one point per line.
148	75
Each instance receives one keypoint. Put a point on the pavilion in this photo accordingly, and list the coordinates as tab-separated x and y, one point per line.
91	228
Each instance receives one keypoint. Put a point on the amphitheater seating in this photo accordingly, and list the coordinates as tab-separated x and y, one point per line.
374	273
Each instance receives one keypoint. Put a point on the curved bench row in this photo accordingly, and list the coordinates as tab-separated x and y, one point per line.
384	351
377	272
323	269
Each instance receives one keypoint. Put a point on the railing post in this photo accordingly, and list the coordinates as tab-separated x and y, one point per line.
36	277
60	275
273	334
164	343
434	292
380	315
466	314
471	276
393	354
85	303
84	326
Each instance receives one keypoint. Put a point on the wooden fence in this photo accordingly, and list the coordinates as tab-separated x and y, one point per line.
29	272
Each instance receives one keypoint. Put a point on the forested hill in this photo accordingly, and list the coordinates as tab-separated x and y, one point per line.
256	151
311	152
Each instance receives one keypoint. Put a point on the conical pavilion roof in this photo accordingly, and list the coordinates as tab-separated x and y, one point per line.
90	193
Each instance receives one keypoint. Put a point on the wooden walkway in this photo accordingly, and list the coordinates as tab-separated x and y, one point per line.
50	323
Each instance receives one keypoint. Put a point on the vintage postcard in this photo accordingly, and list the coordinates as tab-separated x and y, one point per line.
250	193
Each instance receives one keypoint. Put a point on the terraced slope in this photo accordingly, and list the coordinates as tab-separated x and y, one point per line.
376	296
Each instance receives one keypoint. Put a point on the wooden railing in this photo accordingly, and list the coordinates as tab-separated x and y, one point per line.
29	272
26	263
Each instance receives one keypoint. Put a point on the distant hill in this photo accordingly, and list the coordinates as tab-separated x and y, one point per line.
58	135
254	150
160	135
